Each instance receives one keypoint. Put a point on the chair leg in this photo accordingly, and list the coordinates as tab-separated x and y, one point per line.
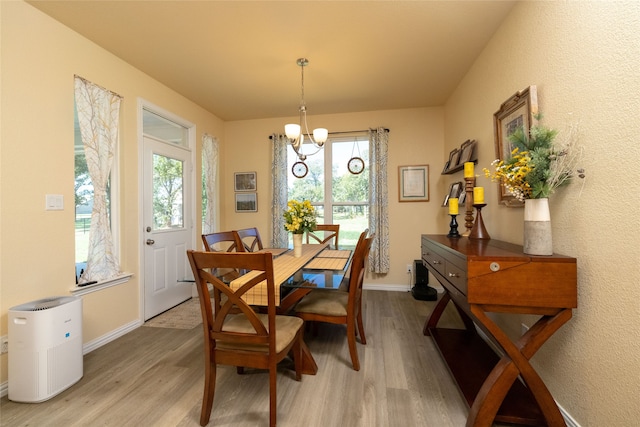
363	339
351	340
297	354
209	389
273	406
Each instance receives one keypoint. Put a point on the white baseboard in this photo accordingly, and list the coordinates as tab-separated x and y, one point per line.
386	287
107	338
92	345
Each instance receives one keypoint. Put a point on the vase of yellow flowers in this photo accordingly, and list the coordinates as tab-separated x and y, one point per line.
300	217
534	171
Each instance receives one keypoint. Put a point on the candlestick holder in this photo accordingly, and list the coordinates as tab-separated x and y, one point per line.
479	231
469	183
453	227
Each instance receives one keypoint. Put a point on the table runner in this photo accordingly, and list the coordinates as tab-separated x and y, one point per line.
283	267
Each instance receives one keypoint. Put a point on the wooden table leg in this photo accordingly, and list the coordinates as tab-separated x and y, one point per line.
434	317
516	363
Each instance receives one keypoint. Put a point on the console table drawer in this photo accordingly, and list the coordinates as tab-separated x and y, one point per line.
457	277
434	260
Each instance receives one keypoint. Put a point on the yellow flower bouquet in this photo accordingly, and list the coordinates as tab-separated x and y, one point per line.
299	217
537	167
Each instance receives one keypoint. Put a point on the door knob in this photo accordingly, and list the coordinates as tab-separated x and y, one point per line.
150	242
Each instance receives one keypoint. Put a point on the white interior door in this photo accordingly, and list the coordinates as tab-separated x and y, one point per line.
167	235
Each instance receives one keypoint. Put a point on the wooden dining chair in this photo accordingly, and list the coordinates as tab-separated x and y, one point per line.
248	239
328	233
246	339
342	307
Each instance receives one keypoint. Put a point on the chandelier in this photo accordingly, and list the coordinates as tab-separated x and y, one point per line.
294	131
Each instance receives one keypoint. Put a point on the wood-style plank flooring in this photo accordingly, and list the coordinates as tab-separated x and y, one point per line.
153	377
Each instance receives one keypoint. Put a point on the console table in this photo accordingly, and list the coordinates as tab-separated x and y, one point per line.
483	276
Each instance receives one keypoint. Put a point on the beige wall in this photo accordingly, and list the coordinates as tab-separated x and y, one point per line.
39	60
584	59
416	137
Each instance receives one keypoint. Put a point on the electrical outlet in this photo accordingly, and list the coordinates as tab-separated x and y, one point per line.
409	268
5	345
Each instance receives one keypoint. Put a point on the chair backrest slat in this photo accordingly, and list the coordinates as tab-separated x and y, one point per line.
330	233
228	237
248	239
358	263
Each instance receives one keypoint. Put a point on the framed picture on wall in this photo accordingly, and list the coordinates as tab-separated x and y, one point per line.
246	202
519	111
245	181
413	183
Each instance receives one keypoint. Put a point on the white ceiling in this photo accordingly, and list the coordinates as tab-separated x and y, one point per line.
237	59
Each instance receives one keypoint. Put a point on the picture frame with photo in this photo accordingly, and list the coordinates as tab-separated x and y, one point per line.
246	202
245	181
466	151
519	111
454	191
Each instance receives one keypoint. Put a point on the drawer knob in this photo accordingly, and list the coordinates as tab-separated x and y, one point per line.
494	266
453	275
436	262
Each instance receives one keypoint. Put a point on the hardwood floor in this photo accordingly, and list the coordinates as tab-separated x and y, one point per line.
153	377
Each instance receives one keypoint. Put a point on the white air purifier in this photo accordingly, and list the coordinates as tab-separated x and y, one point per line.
45	348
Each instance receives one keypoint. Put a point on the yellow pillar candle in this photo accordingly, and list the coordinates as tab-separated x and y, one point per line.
453	206
468	170
478	195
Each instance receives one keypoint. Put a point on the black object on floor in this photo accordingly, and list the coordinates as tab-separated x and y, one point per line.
421	289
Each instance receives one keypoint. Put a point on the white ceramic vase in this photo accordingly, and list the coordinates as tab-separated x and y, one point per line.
297	245
537	227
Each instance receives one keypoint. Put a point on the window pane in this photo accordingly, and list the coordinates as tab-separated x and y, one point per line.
348	193
347	187
168	198
166	130
353	220
311	187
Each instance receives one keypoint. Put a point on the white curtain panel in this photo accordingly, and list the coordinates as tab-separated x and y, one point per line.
210	161
378	200
279	238
98	116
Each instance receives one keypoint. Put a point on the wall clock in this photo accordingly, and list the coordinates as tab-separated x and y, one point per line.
299	169
355	165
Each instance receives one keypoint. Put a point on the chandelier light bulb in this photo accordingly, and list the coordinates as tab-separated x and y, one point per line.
292	130
320	135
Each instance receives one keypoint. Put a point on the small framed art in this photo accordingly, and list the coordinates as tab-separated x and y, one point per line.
245	181
246	202
413	183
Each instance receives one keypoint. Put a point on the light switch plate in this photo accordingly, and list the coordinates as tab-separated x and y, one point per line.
54	202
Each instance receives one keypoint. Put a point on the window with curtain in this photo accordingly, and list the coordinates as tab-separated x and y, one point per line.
97	113
340	197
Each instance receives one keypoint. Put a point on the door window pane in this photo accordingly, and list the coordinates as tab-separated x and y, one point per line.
168	199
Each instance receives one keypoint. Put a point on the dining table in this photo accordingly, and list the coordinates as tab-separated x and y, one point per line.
318	267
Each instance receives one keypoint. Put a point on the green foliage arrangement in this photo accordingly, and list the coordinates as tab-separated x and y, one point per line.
537	167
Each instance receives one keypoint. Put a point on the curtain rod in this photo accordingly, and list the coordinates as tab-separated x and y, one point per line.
345	132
